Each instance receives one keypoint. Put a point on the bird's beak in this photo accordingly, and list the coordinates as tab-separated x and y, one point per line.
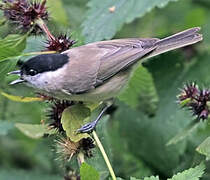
15	72
17	81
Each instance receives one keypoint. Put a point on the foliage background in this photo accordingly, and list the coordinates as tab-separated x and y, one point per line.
137	132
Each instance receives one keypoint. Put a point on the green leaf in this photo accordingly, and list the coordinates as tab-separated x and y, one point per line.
35	131
151	178
73	118
57	12
141	89
103	23
183	134
204	147
12	46
76	11
7	66
35	44
133	178
5	126
146	178
92	105
87	172
192	173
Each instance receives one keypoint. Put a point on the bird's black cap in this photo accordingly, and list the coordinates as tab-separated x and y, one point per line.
43	63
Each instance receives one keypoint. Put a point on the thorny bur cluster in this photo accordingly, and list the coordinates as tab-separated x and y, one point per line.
60	43
196	100
24	13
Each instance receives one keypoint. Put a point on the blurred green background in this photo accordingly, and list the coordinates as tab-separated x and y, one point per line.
135	137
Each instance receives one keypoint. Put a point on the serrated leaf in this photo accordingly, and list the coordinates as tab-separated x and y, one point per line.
204	147
151	178
12	46
183	134
73	118
140	89
133	178
192	173
87	172
35	131
146	178
20	99
105	19
5	126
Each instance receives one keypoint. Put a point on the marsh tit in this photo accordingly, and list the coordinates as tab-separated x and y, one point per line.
97	71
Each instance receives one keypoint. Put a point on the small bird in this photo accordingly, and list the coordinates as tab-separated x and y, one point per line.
96	71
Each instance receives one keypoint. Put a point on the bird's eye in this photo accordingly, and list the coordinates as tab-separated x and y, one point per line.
32	72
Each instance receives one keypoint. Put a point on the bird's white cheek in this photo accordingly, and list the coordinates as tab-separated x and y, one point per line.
37	82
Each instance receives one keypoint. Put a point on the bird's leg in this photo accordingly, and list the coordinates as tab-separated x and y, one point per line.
89	127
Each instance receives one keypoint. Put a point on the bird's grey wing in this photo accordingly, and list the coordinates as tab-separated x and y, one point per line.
91	64
82	69
123	53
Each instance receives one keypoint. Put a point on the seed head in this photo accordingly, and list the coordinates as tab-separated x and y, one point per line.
54	113
60	44
67	148
24	13
190	90
87	145
195	99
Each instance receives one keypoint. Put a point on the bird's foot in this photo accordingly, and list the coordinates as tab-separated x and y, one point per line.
87	128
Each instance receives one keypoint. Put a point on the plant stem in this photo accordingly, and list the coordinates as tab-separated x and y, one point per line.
43	26
106	159
80	158
38	53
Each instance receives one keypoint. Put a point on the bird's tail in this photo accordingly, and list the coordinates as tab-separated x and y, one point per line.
178	40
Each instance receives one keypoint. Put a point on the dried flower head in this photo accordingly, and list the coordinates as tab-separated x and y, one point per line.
66	148
25	13
190	90
200	106
54	113
60	44
195	99
86	145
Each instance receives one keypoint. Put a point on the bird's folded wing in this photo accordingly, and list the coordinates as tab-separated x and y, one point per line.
92	64
123	53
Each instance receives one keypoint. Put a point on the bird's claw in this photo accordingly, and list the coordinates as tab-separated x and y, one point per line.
87	128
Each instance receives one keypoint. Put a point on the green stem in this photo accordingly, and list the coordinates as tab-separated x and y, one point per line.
106	159
80	158
38	53
43	26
